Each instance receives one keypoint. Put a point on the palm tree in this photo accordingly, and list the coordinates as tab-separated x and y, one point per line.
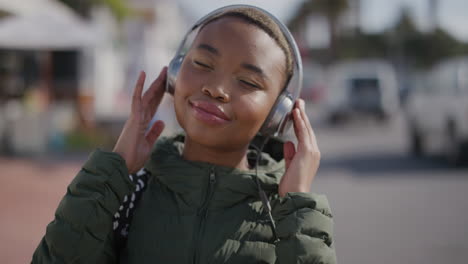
119	8
433	14
331	9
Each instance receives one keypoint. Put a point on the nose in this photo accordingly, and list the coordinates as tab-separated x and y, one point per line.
216	91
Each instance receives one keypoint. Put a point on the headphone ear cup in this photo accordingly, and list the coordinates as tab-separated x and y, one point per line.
279	118
172	71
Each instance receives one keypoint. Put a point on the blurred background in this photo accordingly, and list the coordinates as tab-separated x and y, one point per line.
386	86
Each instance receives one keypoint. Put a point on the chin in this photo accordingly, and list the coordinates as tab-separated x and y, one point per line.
222	139
211	137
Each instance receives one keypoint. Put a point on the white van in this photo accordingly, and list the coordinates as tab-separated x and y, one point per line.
437	112
362	87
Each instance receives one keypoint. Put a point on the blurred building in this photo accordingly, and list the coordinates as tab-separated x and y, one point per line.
60	73
40	42
322	19
143	42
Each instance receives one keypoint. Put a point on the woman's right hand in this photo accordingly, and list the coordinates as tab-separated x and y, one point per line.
135	142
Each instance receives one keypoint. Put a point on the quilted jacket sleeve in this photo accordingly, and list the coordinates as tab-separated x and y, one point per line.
82	229
304	227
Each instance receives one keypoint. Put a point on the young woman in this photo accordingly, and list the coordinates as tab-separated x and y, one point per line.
202	199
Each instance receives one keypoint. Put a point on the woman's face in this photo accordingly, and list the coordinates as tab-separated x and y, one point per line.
228	82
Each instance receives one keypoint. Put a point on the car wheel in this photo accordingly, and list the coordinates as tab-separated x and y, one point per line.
416	143
336	119
464	153
456	151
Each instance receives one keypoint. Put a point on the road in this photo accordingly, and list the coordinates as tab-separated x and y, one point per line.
388	208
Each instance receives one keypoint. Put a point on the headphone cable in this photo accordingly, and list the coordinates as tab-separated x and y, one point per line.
261	192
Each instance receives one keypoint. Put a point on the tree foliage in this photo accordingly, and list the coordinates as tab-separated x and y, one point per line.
119	8
402	42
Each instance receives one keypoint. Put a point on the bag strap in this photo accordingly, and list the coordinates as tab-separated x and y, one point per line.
123	217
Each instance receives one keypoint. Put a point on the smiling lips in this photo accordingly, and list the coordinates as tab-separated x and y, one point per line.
209	113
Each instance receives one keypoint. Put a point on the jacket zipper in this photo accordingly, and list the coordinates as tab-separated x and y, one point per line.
201	216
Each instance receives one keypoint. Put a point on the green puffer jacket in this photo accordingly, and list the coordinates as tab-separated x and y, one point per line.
190	212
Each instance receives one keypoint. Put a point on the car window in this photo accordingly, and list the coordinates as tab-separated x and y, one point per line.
444	79
419	83
433	83
462	78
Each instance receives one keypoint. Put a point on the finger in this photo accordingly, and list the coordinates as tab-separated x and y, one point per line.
156	86
312	137
156	100
155	92
299	127
136	99
305	119
154	132
288	151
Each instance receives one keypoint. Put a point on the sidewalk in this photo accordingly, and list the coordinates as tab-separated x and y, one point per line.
30	190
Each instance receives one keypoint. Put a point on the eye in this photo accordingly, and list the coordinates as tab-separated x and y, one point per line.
250	84
201	64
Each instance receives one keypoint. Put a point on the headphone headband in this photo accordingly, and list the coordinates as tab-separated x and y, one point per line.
277	120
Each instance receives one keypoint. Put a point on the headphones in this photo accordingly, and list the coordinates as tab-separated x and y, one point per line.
278	120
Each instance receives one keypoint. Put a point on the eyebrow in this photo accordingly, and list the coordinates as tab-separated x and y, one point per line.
255	69
247	66
208	48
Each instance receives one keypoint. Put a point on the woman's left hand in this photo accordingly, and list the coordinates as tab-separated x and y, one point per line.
301	164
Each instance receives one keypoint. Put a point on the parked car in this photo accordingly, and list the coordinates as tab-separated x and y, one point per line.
437	112
363	87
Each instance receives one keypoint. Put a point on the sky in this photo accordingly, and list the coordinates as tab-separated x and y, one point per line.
376	14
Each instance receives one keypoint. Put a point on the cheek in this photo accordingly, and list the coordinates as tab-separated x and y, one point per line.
186	79
253	110
187	83
182	90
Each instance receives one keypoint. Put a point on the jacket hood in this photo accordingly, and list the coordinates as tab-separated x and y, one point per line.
191	178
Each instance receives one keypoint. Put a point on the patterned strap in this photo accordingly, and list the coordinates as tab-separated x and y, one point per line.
123	217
